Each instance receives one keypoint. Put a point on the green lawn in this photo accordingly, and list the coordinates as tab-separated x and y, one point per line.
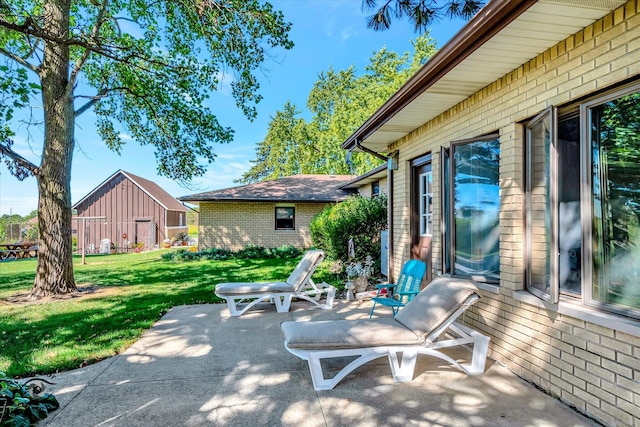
132	291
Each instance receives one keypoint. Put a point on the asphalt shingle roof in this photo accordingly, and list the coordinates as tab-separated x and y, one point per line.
297	188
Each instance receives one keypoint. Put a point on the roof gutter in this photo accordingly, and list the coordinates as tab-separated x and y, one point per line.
490	20
369	151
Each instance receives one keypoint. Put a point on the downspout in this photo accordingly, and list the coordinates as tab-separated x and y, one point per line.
390	169
389	161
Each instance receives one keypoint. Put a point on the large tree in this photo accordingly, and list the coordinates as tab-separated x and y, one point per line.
145	68
339	102
421	13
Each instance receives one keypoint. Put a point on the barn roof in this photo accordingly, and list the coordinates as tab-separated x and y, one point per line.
153	190
296	188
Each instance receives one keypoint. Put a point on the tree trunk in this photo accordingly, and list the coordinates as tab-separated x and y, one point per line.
54	274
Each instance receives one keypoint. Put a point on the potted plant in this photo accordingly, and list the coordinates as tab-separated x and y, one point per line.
181	239
358	273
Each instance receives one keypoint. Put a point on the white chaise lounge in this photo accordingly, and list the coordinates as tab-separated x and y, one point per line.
241	297
425	325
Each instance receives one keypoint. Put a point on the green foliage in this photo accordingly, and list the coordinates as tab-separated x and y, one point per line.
148	68
418	12
250	252
358	218
339	102
24	403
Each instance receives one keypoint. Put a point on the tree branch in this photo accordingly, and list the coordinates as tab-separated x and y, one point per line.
7	151
92	100
30	28
85	55
19	60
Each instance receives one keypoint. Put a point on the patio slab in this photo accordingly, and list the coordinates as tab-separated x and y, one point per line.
198	366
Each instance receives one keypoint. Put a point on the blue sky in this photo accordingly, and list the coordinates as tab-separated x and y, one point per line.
325	32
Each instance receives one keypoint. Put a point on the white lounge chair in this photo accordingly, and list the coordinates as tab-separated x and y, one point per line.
241	297
425	325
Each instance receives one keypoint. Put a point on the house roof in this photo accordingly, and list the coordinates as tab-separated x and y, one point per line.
153	190
296	188
373	175
500	38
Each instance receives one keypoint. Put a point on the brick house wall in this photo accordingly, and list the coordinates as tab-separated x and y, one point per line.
236	225
589	359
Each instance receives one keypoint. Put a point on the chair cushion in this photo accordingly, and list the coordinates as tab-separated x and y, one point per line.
435	304
305	268
345	334
239	288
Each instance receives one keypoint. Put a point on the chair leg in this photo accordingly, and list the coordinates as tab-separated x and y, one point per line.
282	302
402	370
372	308
331	294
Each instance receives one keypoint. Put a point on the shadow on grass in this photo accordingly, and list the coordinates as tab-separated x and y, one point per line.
46	337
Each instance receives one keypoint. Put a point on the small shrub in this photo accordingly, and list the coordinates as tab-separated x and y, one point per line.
218	254
24	403
287	252
251	252
358	218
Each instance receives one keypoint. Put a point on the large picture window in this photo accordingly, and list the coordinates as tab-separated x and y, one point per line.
472	192
583	203
613	134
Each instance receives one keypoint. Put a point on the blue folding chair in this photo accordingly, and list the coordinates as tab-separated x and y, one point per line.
400	293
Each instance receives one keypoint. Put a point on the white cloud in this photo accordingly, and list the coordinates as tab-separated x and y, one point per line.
346	33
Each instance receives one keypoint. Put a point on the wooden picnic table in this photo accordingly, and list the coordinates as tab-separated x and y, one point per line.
18	250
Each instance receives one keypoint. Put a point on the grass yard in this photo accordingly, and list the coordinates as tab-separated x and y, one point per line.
122	296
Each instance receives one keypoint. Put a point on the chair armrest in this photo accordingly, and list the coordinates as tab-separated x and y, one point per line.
385	285
414	293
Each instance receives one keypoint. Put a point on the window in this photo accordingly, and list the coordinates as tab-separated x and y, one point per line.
613	135
375	189
421	226
425	195
285	218
422	185
583	203
471	208
542	224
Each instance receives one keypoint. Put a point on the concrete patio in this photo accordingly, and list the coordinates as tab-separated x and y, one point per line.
199	367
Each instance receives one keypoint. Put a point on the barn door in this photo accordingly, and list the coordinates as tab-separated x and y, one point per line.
145	233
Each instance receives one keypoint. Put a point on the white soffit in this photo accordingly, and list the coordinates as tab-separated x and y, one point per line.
542	26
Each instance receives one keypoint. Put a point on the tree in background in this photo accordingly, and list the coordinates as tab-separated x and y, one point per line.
340	102
12	226
420	13
143	67
286	149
